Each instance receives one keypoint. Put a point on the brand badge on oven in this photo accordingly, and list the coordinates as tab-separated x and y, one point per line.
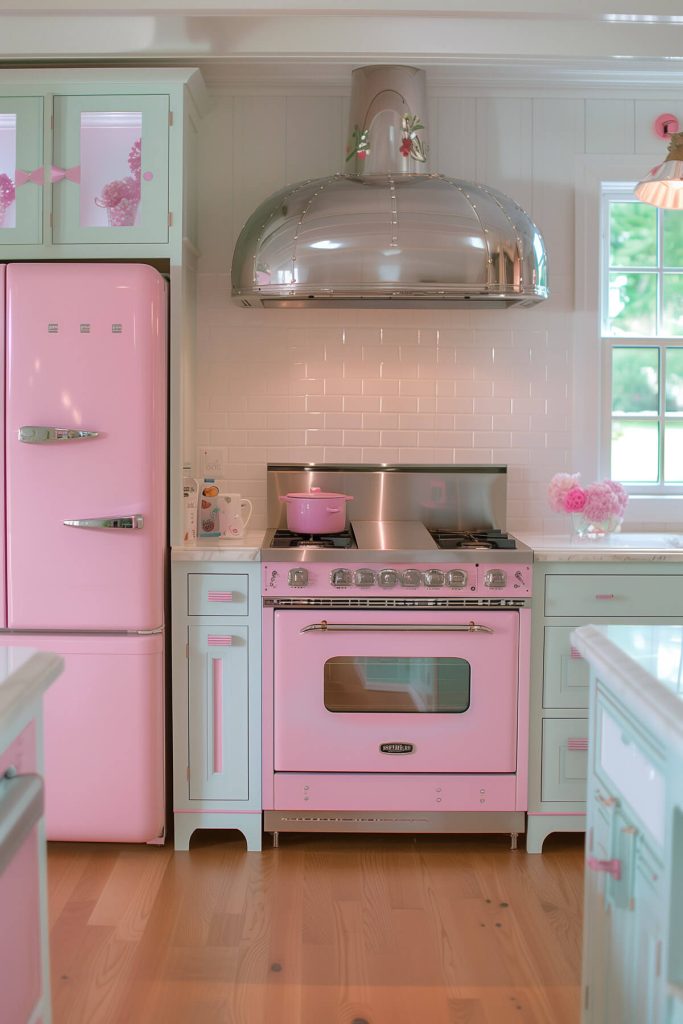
396	748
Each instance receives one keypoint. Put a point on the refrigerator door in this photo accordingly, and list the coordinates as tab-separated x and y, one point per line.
103	738
3	603
86	446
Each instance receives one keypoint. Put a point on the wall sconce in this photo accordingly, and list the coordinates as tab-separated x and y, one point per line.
663	186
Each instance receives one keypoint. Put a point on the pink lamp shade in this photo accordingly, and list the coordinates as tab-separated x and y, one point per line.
663	186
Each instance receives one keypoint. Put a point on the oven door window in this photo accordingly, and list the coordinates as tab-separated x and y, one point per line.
368	685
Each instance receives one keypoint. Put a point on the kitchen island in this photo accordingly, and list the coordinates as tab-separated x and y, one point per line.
633	925
25	675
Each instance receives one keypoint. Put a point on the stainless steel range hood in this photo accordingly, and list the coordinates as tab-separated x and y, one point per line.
388	233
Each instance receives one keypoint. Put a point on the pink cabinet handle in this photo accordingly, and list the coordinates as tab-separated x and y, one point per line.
219	641
220	595
577	743
573	653
604	597
217	666
610	867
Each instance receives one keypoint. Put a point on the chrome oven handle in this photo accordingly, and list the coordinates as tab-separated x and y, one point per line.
42	435
378	627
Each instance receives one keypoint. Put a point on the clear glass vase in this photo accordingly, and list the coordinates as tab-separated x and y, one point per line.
585	529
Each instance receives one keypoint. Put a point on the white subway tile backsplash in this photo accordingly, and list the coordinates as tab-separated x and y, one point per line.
342	386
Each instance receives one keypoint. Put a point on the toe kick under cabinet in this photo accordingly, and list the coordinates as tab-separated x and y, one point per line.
216	699
567	595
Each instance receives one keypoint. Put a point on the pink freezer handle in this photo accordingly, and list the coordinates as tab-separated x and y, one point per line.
573	653
604	597
610	867
220	595
217	666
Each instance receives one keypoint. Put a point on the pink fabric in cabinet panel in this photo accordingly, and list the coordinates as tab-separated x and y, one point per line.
20	950
86	350
309	737
104	738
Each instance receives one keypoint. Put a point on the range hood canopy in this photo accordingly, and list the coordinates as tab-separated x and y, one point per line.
388	232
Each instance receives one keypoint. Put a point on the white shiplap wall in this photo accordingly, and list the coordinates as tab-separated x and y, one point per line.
416	386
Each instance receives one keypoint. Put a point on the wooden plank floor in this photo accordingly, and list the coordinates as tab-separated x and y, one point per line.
324	930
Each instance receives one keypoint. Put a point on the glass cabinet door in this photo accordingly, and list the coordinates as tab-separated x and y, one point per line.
110	169
21	170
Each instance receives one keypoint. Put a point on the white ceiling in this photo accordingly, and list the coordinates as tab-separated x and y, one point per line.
574	40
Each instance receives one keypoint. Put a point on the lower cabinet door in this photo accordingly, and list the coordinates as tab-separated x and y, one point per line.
564	759
218	713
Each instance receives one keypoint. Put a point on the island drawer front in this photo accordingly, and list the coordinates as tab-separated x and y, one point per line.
564	759
224	594
565	672
625	759
608	596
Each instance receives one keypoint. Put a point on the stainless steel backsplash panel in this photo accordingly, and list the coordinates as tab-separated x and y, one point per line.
441	497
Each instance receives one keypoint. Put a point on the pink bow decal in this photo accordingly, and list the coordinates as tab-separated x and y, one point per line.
70	173
22	177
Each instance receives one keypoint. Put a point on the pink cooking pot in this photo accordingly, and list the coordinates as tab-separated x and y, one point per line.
316	511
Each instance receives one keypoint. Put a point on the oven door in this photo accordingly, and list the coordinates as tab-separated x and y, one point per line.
395	691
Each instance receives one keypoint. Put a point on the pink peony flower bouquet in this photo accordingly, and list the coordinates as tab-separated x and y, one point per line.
121	197
596	509
7	194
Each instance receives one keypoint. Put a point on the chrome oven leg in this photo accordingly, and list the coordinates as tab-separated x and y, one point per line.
513	840
276	840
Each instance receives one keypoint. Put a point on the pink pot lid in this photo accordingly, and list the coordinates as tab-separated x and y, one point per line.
315	492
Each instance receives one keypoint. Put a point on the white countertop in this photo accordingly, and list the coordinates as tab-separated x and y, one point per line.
25	674
246	549
643	665
615	547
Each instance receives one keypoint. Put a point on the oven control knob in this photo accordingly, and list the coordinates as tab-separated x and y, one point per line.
411	578
495	578
387	577
456	578
434	578
341	577
364	577
297	577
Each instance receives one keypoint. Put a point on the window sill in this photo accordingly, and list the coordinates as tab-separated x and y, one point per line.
646	512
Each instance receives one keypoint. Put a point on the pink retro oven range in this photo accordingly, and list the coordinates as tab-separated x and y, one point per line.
396	656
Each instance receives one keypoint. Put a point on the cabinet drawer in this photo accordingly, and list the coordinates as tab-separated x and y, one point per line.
565	672
217	594
564	759
626	762
614	596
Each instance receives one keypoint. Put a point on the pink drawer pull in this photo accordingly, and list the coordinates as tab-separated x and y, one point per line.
577	743
611	867
604	597
219	641
573	653
220	595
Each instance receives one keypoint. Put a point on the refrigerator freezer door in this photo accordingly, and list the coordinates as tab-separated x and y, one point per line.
86	351
3	605
103	738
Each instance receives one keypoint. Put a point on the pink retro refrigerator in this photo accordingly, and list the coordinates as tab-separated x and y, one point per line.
85	532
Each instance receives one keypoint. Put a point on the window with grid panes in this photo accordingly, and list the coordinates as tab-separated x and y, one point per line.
642	333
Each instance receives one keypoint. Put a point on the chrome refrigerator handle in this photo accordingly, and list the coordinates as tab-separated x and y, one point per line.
108	523
43	435
353	627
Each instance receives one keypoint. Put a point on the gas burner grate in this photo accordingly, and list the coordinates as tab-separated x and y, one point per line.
473	540
288	539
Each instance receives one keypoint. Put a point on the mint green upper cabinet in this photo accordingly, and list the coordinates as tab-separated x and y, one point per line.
110	169
21	170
